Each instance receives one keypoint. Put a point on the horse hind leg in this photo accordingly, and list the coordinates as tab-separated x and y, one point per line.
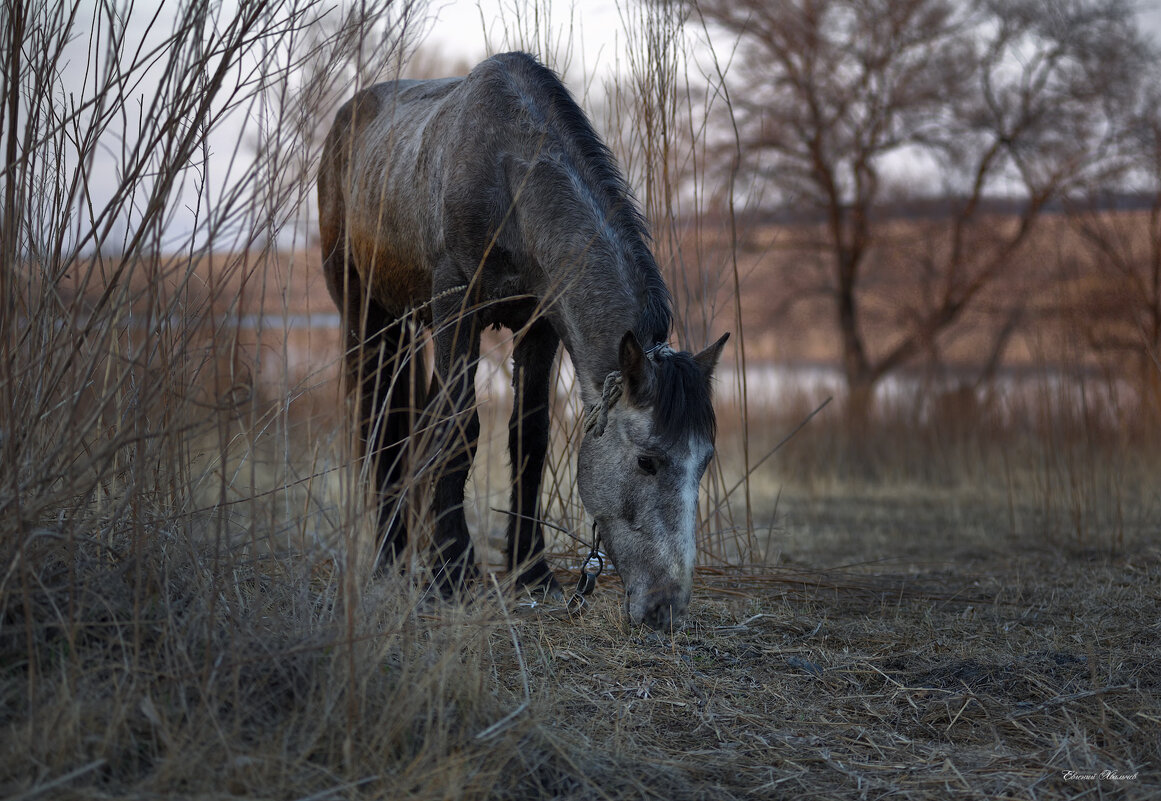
384	364
528	433
452	413
385	369
399	397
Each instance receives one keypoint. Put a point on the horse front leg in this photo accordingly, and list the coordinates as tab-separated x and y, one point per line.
452	409
528	435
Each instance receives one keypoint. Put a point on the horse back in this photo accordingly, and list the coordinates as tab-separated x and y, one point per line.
375	215
419	179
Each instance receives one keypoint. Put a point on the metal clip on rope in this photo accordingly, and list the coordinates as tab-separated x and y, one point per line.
592	568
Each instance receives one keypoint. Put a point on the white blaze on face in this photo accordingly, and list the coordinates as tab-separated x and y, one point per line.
691	481
647	517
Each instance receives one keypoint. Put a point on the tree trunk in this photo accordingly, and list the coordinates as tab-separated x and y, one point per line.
860	402
860	379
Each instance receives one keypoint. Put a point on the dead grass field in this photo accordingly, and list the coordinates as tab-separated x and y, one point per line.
911	633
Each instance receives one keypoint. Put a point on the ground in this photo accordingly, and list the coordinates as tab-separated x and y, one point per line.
949	665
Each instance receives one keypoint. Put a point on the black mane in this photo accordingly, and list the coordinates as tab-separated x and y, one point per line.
591	157
683	401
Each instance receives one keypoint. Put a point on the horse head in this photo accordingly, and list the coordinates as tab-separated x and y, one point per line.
645	448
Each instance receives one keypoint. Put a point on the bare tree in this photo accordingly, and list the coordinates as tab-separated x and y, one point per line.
991	97
1120	225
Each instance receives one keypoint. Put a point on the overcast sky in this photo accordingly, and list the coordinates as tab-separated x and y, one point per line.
460	26
585	42
472	29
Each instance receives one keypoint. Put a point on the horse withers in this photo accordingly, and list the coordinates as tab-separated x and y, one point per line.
461	203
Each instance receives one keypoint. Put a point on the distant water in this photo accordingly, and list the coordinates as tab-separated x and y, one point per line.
767	385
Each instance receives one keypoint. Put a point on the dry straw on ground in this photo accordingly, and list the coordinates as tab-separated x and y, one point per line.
989	673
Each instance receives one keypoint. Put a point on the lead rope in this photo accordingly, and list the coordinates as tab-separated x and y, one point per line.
597	417
447	293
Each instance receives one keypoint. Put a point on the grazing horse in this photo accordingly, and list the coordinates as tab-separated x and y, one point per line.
489	200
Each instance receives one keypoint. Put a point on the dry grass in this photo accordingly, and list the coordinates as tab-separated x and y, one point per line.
945	657
914	686
903	638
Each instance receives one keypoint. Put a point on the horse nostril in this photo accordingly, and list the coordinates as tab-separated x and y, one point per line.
660	608
664	616
660	618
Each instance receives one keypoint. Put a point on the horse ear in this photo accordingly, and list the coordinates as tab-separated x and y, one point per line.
636	375
708	358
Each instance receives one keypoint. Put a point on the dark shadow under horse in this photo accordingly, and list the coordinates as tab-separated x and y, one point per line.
489	200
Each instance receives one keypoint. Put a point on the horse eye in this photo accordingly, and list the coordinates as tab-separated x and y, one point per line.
647	464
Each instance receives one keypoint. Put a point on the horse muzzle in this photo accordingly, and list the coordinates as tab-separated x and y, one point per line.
661	608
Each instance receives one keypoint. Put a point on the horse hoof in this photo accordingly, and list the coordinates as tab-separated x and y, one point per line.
539	582
553	592
455	580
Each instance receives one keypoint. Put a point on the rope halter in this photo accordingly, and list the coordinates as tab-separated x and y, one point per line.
597	415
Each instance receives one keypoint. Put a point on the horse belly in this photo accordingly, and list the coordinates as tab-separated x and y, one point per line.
386	245
397	284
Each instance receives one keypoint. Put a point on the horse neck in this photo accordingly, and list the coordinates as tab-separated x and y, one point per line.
590	265
593	337
593	300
